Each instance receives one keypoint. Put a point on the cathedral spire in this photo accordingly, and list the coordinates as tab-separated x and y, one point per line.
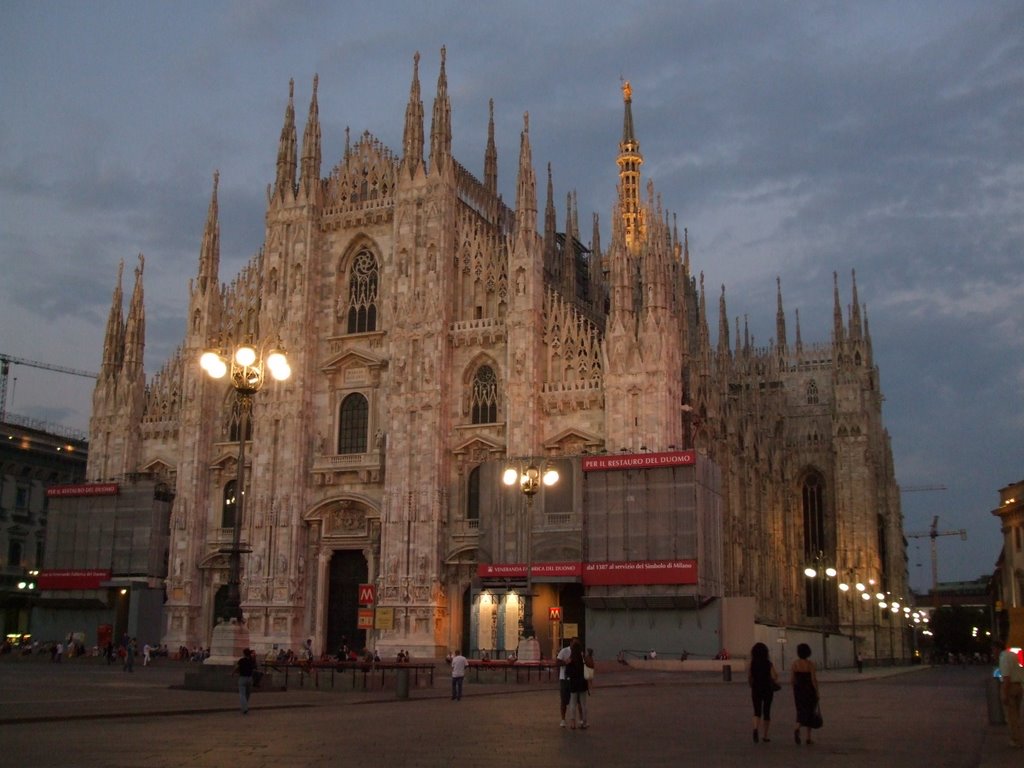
723	326
441	125
596	273
855	324
780	319
837	312
491	155
799	340
569	249
135	326
526	185
629	162
113	339
549	226
284	186
412	138
209	251
310	180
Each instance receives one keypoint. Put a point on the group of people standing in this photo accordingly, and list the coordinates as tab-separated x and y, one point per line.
764	682
575	673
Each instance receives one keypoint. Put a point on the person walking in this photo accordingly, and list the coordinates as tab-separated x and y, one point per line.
459	663
763	681
245	667
804	679
1011	690
129	656
578	687
562	659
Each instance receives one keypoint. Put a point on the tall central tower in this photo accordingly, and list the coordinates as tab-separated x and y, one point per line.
629	161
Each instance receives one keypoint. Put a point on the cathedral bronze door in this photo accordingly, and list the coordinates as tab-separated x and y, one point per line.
347	571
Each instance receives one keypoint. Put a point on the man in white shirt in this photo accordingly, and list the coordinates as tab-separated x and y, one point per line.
1011	690
459	664
563	680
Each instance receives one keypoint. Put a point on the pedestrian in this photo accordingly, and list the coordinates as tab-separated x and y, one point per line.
804	679
1011	689
860	661
146	651
129	656
244	668
589	668
763	681
563	681
58	652
459	663
575	672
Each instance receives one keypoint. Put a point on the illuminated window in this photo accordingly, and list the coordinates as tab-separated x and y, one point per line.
227	512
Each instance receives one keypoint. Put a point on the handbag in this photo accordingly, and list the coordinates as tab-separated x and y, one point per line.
817	720
588	672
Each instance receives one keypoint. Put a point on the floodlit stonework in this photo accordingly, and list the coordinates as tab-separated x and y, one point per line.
432	330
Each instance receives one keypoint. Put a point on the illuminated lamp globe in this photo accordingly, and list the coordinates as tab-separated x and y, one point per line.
278	365
550	476
245	356
510	476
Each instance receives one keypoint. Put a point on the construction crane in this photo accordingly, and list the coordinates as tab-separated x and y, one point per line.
5	367
933	533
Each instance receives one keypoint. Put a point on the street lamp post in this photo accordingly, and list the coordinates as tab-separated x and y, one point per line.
248	365
529	479
827	573
845	588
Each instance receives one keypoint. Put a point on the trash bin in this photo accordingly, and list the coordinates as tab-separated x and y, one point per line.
727	673
996	716
402	684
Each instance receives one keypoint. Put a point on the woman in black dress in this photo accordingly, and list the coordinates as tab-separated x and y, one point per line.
763	678
805	692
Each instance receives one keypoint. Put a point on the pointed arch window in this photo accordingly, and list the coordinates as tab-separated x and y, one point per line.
353	424
362	293
485	396
473	495
234	425
229	505
812	393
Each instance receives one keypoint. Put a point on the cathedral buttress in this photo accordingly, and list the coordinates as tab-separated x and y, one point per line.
525	315
412	136
309	184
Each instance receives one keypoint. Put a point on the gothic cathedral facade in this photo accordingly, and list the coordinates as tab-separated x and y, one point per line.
431	328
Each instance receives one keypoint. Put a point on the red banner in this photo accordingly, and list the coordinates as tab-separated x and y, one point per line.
84	578
614	573
640	572
639	461
83	489
518	570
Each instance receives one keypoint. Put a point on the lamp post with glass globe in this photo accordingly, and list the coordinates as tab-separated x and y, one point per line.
248	365
529	478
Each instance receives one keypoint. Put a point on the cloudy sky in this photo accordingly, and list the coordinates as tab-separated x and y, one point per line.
793	140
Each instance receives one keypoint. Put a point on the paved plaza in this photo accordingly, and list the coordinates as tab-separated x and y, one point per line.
85	715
